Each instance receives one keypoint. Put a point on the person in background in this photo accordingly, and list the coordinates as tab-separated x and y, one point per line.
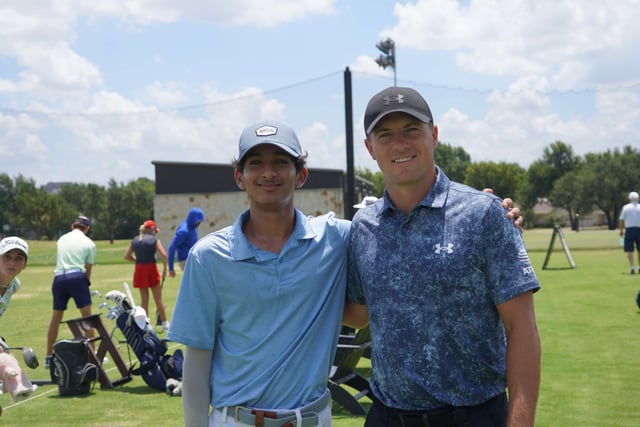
13	259
185	237
447	285
142	250
14	253
366	201
630	229
75	255
260	304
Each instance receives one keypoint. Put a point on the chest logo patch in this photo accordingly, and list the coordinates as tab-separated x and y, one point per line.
445	248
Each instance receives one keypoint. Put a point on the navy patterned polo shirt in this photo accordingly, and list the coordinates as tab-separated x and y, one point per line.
431	281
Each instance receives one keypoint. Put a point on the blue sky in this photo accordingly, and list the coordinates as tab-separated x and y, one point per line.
93	91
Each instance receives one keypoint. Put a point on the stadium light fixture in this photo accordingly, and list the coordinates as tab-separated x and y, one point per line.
388	56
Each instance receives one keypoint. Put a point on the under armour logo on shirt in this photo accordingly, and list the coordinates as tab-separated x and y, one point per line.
448	248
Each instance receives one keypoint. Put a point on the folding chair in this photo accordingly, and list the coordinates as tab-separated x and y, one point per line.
352	345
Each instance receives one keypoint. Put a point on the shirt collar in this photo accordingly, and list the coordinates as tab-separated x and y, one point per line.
435	198
241	248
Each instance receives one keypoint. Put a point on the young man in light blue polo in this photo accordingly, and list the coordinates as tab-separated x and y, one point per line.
261	302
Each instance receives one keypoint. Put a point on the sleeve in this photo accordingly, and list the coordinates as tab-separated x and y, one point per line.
355	292
195	316
196	388
509	268
173	247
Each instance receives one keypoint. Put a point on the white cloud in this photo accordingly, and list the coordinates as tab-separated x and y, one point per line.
519	37
169	93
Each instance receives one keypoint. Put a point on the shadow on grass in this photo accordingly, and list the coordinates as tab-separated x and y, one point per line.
141	389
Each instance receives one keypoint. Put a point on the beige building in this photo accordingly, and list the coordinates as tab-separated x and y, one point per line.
211	187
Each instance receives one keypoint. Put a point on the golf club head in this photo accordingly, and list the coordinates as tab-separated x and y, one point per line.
30	358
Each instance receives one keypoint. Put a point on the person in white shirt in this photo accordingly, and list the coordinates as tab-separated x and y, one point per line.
630	229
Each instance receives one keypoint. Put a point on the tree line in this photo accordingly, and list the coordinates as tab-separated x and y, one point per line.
116	211
578	184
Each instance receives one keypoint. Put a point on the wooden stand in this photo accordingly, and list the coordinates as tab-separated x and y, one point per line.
80	324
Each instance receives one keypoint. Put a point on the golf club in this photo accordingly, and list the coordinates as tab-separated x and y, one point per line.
29	356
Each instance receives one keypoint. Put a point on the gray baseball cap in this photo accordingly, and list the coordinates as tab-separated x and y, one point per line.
396	100
269	132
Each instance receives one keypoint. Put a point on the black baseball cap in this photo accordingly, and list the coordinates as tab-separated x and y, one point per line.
82	220
396	99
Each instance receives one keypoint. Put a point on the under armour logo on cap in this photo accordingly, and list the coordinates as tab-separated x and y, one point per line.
396	100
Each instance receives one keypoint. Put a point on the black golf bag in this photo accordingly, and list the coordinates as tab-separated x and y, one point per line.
156	366
70	367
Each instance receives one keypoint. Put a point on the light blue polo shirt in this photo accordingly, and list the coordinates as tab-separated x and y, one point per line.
431	281
272	320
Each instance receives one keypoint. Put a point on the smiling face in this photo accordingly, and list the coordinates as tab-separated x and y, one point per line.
403	147
269	176
11	264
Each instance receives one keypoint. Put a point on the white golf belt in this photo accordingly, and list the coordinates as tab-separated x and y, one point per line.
302	414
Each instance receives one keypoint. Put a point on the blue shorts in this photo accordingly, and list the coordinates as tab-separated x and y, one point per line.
631	239
70	285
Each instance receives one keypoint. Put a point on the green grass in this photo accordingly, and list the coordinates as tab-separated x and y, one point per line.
587	317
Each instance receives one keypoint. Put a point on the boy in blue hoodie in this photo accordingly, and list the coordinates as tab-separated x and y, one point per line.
186	236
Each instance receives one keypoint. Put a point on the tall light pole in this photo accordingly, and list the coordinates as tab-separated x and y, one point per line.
388	56
348	115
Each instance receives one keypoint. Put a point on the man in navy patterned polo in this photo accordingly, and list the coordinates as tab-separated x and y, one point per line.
447	284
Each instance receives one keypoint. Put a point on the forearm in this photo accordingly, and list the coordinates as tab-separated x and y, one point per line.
523	376
196	390
355	315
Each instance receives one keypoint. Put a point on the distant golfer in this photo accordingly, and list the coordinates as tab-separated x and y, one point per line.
142	250
75	256
630	229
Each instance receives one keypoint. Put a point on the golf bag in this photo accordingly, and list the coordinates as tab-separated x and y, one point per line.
71	369
156	366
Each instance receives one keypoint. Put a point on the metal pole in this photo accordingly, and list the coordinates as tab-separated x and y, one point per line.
349	199
395	62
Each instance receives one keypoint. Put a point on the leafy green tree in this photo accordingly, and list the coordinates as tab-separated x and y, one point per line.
454	161
557	159
569	193
607	178
505	179
127	206
7	203
375	177
38	211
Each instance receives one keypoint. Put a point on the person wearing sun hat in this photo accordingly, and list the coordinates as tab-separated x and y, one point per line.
13	259
142	250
